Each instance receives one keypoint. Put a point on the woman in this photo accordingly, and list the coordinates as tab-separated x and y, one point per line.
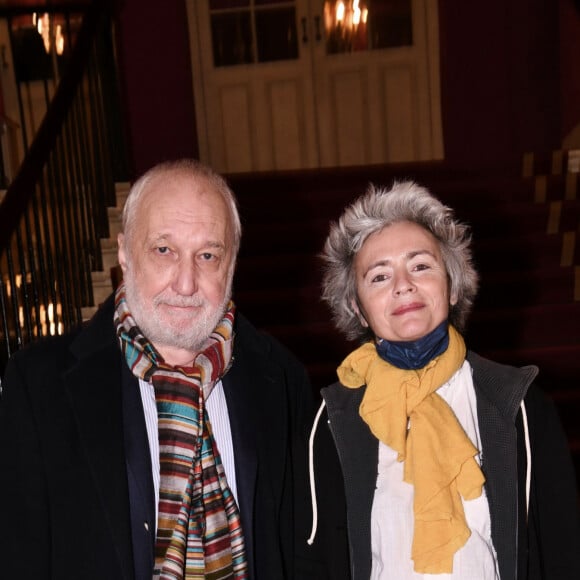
454	466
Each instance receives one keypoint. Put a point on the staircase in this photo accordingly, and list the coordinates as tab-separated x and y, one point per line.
525	227
104	280
62	154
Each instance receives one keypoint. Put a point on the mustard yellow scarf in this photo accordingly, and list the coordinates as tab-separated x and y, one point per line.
439	457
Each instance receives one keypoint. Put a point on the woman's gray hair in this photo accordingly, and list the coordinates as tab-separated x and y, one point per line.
194	170
375	210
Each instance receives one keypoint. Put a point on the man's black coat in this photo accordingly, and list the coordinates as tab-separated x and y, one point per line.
75	478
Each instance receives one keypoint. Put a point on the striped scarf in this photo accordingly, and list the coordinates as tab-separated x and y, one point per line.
199	532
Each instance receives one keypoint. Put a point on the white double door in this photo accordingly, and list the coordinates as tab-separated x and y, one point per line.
319	109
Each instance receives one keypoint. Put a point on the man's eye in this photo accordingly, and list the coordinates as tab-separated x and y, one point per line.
207	256
163	250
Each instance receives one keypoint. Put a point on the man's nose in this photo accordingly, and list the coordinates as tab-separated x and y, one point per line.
185	281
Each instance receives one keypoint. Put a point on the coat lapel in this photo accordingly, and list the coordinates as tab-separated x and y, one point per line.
93	386
139	475
243	421
255	408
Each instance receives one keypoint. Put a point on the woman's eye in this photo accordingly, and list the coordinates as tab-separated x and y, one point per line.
379	278
422	267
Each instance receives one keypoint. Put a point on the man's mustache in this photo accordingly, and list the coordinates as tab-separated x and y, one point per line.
180	301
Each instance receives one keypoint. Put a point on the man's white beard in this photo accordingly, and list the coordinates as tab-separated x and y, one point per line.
192	337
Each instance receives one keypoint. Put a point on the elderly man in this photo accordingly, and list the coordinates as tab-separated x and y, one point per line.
166	439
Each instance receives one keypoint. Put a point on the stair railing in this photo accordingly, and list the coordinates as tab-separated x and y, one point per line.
54	212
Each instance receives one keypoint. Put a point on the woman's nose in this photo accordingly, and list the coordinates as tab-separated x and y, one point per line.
403	284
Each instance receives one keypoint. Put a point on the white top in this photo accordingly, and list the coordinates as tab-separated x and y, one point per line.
392	513
217	410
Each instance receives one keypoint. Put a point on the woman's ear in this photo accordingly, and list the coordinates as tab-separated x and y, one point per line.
358	311
453	299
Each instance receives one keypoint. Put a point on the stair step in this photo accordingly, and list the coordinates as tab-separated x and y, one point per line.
87	312
109	254
530	326
115	221
102	286
508	221
122	191
296	202
279	271
500	331
556	187
522	253
522	218
492	256
550	285
506	289
339	185
292	305
558	364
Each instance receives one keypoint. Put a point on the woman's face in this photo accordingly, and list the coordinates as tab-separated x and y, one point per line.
401	283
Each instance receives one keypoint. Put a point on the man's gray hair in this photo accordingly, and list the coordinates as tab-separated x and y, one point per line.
194	170
370	213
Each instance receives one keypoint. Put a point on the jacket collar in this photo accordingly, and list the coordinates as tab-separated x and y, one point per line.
491	378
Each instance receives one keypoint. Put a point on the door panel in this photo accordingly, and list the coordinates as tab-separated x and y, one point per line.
253	116
288	125
349	122
236	135
400	104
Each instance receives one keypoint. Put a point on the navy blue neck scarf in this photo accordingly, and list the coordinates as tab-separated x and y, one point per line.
415	354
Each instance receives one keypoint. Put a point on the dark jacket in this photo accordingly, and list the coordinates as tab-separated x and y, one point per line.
542	544
75	475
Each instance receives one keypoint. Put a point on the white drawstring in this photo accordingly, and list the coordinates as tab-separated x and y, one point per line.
311	475
528	456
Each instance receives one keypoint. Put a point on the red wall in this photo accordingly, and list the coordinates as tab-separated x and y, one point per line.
499	78
570	64
156	77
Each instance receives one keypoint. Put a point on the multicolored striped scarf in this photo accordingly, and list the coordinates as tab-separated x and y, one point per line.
199	532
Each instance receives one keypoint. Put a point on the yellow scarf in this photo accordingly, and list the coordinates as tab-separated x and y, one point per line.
439	457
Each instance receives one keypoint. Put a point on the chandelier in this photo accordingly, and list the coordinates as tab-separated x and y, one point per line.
345	24
50	32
